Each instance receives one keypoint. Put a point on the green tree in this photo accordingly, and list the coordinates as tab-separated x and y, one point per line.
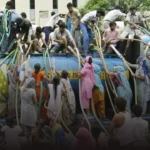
110	4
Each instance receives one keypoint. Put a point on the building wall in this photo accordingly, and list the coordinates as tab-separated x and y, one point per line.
23	7
2	4
41	5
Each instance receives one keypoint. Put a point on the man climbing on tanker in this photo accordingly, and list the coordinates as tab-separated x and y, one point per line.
133	19
112	16
87	22
75	17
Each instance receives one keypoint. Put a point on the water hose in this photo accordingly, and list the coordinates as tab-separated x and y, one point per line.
40	101
29	49
27	66
93	107
14	58
110	82
123	59
136	40
7	57
146	49
5	28
16	103
95	115
103	63
79	68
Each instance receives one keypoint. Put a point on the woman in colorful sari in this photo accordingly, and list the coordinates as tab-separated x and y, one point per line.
84	140
98	92
13	77
122	85
69	103
87	83
143	82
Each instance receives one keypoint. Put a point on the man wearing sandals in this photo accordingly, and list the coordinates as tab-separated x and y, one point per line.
63	37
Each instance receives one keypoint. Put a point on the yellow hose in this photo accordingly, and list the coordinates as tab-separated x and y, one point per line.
146	49
137	40
79	67
109	96
95	115
98	36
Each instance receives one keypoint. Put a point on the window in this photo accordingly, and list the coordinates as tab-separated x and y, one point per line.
32	4
55	4
75	3
32	10
13	1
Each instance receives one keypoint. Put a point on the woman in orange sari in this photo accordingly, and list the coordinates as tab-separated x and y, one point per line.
39	77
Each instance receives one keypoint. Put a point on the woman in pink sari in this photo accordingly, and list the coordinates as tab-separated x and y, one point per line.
87	83
84	140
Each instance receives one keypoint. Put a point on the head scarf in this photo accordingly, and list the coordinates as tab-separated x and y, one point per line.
89	66
121	76
124	81
142	63
30	83
84	140
98	81
59	137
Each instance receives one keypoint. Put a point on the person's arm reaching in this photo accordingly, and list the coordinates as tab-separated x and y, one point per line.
121	14
22	83
47	79
104	36
110	73
44	41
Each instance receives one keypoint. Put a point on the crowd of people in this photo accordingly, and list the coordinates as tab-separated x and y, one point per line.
127	129
55	36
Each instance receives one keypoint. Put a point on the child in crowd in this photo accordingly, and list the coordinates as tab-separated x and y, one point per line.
111	36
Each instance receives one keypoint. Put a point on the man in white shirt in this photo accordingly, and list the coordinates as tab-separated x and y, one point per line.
63	37
112	16
75	17
49	27
89	20
140	126
133	18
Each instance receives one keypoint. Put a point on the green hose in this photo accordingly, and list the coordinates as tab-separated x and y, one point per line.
13	60
6	18
16	103
40	101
